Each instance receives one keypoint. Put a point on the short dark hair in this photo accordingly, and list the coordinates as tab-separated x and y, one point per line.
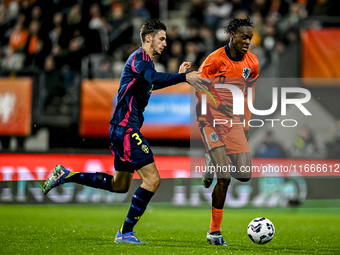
235	24
152	27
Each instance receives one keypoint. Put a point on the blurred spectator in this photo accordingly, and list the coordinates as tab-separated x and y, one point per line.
173	34
192	34
217	11
12	13
105	69
43	18
26	10
240	6
208	39
196	13
194	48
192	55
269	38
258	6
73	18
76	51
59	54
173	65
3	26
177	51
305	145
138	11
153	7
55	33
97	22
138	14
287	27
13	61
292	19
34	48
256	42
278	8
159	66
65	5
174	46
120	28
18	38
270	148
333	146
36	13
319	7
54	86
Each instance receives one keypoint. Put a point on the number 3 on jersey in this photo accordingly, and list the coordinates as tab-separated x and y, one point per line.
136	136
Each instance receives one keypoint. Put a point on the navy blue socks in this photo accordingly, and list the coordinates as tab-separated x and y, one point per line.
94	180
139	202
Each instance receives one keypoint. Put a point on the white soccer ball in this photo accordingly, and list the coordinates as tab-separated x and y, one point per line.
261	230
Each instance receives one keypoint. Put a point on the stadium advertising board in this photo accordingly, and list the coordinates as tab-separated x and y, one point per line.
167	115
284	183
15	106
323	62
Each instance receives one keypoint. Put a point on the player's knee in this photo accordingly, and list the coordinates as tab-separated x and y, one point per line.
156	182
152	183
245	177
121	189
224	182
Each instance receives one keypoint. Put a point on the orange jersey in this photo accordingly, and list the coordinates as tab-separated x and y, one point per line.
222	69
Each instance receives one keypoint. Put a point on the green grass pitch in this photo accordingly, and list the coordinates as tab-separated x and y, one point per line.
90	229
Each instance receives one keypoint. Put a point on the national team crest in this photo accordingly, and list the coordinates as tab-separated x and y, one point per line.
214	137
145	148
246	72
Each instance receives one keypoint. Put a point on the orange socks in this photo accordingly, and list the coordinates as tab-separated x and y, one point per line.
216	219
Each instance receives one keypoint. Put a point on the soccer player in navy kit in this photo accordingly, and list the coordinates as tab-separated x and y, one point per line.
130	148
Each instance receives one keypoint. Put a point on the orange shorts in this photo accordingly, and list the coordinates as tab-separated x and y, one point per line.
233	138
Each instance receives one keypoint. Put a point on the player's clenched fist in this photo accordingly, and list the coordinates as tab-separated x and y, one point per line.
184	67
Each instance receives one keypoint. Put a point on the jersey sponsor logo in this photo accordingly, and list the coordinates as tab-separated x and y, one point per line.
246	72
214	137
145	148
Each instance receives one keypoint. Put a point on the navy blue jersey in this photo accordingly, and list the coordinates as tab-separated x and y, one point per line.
139	78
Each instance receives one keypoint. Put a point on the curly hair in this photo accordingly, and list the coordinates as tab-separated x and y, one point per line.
235	24
152	27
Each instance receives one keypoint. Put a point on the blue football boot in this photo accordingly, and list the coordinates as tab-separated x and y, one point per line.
128	237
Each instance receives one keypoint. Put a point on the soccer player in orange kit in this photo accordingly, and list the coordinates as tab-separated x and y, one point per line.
231	64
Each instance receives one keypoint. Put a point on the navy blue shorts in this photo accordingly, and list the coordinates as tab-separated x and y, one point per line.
130	148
